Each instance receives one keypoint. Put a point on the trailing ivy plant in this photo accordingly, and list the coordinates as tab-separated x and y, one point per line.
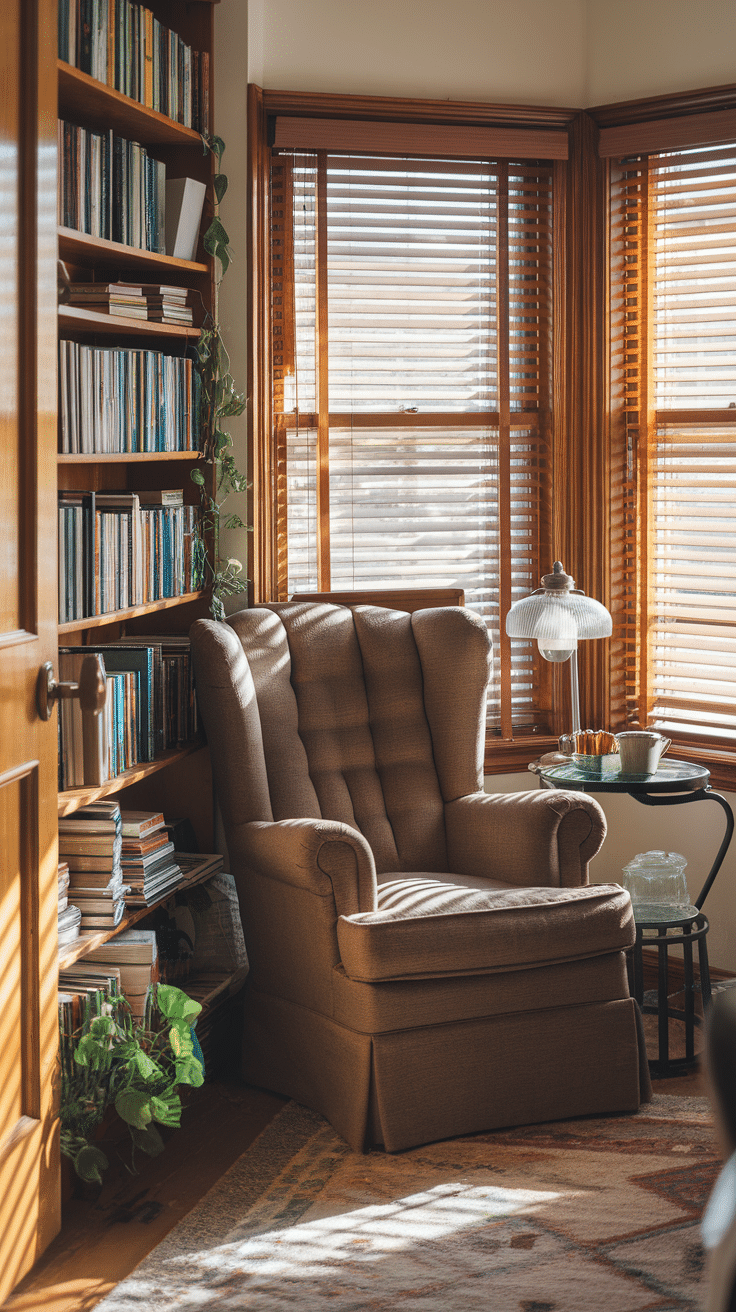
112	1061
219	401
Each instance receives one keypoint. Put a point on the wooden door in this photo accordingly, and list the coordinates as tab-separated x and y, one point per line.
29	1159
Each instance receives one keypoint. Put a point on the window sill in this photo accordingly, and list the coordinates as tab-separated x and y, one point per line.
511	756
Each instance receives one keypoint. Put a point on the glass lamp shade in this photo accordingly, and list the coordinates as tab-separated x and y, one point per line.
559	616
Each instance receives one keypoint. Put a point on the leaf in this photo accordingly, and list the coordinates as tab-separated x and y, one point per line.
189	1071
146	1068
102	1027
134	1106
215	236
167	1111
175	1041
197	477
217	146
148	1140
90	1162
175	1004
220	185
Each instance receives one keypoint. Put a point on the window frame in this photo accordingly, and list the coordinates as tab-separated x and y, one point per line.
578	348
690	119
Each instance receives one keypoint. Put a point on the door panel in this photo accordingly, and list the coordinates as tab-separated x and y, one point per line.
29	1166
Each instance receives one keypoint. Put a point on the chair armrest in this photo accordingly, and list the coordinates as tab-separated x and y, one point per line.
542	839
324	857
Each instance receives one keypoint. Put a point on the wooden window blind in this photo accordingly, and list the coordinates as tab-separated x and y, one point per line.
673	299
411	383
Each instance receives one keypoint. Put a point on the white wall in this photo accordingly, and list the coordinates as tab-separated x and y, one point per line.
639	48
521	51
231	95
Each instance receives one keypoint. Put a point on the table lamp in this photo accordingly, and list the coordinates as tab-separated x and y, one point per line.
559	615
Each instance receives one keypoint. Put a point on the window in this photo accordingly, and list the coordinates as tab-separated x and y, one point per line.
411	398
673	302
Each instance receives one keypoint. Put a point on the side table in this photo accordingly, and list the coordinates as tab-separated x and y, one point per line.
673	784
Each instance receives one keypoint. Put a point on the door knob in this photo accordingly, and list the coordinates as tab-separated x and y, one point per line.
92	693
91	689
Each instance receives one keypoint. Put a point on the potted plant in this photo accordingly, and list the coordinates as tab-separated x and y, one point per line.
113	1061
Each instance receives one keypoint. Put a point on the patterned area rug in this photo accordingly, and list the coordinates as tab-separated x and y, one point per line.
599	1213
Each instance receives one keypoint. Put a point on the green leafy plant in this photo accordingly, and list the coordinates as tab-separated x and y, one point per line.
112	1061
220	401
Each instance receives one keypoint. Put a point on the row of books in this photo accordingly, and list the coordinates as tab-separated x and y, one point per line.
115	400
112	188
151	301
126	47
115	553
150	706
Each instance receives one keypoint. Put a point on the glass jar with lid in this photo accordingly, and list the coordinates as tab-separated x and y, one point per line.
657	885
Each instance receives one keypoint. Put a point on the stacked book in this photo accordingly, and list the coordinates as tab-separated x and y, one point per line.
115	400
162	72
155	301
168	305
116	553
120	298
90	842
132	956
111	188
69	916
150	867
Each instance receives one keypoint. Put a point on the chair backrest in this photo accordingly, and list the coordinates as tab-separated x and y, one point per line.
369	716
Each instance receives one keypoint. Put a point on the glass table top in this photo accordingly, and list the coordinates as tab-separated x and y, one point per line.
670	777
651	913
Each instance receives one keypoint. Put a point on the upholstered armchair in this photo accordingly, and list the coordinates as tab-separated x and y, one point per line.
426	960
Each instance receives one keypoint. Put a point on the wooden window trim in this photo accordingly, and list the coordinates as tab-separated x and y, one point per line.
582	439
646	126
356	136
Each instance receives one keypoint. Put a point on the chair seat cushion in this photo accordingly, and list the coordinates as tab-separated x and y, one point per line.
461	925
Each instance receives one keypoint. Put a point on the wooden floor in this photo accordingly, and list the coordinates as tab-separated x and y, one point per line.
107	1233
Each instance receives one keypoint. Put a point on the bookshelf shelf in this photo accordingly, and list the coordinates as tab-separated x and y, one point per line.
126	458
73	318
80	248
71	799
84	99
86	942
115	616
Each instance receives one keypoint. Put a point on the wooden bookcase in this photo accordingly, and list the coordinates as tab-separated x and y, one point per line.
177	781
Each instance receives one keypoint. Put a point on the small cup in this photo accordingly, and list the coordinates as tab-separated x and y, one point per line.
641	751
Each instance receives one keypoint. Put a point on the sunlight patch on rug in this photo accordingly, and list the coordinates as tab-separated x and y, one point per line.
596	1213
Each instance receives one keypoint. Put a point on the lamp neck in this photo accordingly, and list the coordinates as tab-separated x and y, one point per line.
574	692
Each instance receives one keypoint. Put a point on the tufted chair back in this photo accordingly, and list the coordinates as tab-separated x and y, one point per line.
371	717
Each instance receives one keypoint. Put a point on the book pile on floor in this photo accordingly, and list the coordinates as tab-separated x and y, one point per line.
149	865
90	842
155	301
69	916
130	957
